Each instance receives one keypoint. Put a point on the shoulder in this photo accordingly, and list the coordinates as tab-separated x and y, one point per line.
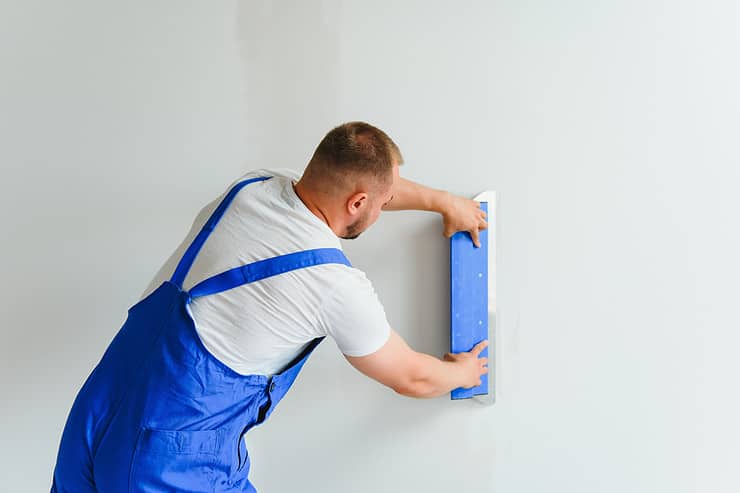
281	173
350	286
352	314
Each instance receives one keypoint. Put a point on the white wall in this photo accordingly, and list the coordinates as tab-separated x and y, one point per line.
609	129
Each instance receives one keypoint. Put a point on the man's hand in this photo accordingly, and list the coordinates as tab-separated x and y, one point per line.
458	213
420	375
461	214
472	366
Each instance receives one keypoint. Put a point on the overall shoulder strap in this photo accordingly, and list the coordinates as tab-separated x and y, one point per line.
189	257
263	269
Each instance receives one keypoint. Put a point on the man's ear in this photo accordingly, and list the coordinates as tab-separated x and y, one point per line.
356	203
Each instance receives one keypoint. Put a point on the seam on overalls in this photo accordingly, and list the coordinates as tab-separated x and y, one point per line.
117	407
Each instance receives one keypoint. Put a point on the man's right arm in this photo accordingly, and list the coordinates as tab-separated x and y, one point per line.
415	374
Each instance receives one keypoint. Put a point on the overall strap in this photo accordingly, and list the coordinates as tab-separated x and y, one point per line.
263	269
189	257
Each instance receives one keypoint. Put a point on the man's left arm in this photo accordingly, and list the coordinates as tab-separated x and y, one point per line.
458	213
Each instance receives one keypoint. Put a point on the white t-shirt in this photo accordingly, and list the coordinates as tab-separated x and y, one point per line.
259	328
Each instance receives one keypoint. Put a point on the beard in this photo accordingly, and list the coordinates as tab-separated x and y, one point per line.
355	229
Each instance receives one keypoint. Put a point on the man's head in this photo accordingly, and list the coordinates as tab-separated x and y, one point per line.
350	177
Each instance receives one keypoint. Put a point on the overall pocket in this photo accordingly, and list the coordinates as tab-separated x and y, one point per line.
166	460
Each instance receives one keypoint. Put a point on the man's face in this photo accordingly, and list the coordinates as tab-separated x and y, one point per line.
372	210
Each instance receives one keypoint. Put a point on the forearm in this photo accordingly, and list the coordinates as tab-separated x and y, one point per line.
432	377
458	213
408	195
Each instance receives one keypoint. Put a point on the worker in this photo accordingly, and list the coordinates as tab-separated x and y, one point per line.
227	324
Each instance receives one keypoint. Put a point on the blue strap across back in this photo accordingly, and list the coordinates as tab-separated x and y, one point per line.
189	257
255	271
262	269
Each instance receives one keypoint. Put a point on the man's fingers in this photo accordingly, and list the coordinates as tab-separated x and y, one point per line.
482	220
475	236
473	220
479	348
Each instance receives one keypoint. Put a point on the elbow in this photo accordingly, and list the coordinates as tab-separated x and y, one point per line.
416	387
406	390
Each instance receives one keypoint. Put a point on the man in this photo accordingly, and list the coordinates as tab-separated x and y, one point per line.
231	318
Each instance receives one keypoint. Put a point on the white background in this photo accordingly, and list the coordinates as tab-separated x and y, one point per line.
609	129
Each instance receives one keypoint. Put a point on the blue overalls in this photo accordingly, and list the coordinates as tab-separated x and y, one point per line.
161	413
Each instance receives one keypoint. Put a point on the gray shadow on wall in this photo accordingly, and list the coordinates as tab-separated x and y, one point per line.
407	259
429	298
290	86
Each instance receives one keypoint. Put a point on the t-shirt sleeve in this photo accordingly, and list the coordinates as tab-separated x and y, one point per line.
354	317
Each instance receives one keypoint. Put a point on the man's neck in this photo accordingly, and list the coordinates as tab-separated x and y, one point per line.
312	204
